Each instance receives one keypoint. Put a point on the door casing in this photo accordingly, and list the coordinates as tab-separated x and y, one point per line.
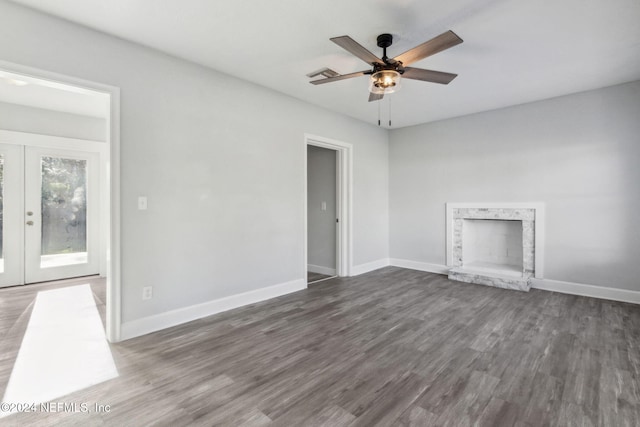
343	198
13	224
111	179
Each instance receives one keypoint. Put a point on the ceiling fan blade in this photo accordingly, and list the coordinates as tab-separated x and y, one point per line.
340	77
428	75
437	44
375	96
356	49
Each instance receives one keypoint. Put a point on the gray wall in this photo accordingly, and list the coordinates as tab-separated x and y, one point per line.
224	175
321	224
21	118
579	154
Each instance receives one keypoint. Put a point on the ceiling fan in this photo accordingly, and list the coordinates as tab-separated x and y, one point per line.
386	72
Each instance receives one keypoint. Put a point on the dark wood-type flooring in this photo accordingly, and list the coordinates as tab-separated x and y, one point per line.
392	347
315	277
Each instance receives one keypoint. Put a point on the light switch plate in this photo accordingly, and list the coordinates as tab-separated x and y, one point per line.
142	203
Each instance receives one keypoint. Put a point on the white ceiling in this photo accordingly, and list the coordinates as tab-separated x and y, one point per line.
513	52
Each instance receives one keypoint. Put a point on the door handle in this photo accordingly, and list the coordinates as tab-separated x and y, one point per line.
29	222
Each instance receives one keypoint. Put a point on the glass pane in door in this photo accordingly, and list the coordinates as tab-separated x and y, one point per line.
64	212
1	213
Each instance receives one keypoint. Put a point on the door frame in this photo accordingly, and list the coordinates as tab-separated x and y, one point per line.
112	185
344	201
13	195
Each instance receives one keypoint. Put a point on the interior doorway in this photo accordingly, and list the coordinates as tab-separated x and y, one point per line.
322	218
334	231
59	154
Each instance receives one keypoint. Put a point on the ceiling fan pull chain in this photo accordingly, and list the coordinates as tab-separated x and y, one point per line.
389	110
379	113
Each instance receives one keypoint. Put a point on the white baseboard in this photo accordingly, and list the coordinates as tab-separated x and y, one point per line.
176	317
154	323
571	288
369	266
614	294
421	266
321	270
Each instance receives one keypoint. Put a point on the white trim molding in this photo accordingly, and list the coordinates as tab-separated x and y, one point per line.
50	141
571	288
369	266
179	316
344	199
420	266
157	322
112	181
593	291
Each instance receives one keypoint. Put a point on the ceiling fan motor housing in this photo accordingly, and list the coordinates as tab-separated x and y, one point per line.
385	40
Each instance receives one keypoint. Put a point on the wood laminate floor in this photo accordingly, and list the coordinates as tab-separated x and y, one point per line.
315	277
392	347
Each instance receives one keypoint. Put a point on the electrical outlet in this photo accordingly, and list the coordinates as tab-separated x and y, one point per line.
147	292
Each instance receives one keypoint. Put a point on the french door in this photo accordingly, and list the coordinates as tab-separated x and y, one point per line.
49	214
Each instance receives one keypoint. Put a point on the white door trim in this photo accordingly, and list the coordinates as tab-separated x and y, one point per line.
13	222
49	141
112	187
344	199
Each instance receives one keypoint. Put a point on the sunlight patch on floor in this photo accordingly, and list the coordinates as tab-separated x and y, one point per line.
64	348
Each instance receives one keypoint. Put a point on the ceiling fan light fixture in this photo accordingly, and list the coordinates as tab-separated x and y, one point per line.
385	81
385	72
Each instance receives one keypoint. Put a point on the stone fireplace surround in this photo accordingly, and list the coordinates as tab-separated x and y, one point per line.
531	215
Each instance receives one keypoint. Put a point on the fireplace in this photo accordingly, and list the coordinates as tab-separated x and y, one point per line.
495	244
492	245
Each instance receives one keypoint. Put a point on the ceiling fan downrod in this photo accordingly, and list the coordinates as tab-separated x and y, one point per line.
384	41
